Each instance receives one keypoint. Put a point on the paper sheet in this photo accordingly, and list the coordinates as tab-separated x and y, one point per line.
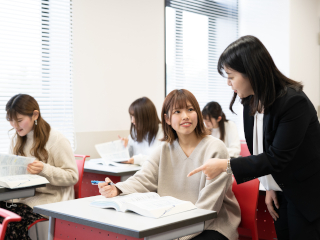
13	165
113	151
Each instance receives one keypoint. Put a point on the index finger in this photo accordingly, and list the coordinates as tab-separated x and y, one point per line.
119	137
199	169
101	185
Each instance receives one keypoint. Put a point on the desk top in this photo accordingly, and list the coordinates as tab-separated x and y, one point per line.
130	224
126	169
7	193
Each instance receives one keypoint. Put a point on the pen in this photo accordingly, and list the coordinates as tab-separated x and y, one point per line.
95	182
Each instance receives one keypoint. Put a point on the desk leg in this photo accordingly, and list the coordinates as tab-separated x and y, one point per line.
51	228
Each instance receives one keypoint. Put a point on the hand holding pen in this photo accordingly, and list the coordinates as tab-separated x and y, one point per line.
108	189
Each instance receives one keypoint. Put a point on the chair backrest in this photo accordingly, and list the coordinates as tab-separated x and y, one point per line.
244	149
80	164
8	217
247	194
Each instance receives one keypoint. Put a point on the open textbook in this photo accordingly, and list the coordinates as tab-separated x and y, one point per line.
13	172
145	204
113	151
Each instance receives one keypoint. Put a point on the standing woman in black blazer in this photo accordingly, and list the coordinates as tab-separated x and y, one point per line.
289	139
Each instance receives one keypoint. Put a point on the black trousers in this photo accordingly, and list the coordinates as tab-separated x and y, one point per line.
19	230
292	225
210	235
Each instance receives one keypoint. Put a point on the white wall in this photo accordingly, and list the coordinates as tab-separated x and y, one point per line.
118	57
304	47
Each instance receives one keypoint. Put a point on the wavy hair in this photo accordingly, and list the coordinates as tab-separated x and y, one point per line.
25	105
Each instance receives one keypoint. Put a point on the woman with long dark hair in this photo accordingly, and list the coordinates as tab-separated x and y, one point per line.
222	128
54	160
145	130
283	135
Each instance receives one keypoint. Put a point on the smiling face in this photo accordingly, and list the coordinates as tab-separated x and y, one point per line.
23	124
183	120
239	84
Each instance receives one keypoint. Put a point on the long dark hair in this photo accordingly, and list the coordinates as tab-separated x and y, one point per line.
248	56
178	99
146	120
214	110
25	105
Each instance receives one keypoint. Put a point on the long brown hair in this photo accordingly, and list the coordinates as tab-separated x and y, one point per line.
214	110
146	120
25	105
249	56
178	99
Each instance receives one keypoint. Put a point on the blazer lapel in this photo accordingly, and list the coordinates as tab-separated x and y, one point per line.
248	122
266	119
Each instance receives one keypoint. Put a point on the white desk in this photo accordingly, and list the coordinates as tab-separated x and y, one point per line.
75	218
7	193
94	171
124	170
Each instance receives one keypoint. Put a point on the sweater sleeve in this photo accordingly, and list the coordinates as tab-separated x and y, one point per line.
145	180
65	171
233	145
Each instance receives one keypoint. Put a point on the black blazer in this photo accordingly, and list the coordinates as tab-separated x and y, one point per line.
291	143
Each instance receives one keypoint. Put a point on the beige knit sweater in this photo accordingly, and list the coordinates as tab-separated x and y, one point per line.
166	173
60	170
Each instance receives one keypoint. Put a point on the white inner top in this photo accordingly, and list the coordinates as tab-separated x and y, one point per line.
267	181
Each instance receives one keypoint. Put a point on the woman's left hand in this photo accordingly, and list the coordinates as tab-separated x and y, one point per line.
35	167
212	168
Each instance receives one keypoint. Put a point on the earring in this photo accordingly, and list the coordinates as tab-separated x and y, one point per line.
36	122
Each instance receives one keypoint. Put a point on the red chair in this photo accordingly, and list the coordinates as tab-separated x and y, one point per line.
8	217
77	187
247	194
80	164
244	149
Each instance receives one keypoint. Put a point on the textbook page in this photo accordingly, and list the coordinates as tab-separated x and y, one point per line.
19	181
13	165
113	151
120	202
161	207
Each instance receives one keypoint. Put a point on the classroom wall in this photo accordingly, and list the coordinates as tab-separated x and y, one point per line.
304	46
118	57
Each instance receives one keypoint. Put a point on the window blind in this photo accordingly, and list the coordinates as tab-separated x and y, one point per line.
197	32
36	59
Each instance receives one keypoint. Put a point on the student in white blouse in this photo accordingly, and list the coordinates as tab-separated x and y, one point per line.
145	130
222	128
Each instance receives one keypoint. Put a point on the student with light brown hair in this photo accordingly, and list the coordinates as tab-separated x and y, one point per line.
145	130
54	160
186	145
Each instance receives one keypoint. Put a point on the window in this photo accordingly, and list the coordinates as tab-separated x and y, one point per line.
197	32
36	59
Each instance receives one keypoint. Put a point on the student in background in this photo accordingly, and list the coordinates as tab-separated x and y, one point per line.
54	160
145	130
221	128
186	145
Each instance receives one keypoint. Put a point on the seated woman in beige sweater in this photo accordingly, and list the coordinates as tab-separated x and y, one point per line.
186	146
54	161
